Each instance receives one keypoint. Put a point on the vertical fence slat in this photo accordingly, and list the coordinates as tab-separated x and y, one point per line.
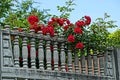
76	62
41	54
83	64
89	64
55	56
86	65
62	57
41	51
16	51
33	53
32	50
102	64
48	53
69	60
92	61
80	66
98	61
24	51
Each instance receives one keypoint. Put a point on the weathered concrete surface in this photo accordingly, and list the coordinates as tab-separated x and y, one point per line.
10	72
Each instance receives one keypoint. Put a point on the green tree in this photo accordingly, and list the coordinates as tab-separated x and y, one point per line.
17	17
114	38
98	32
5	6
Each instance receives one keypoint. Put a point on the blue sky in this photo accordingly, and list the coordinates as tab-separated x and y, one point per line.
93	8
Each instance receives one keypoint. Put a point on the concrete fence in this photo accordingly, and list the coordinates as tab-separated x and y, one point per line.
34	56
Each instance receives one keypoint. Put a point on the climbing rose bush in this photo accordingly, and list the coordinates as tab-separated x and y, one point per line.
73	33
76	34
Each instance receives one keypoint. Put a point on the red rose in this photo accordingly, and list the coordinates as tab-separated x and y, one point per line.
78	30
61	21
79	45
80	23
54	19
67	21
71	38
66	27
50	23
88	20
45	30
51	31
33	19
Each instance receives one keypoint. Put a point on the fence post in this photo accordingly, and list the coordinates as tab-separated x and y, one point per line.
117	62
110	64
0	54
6	47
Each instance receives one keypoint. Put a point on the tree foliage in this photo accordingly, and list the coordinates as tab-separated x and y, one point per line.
98	32
66	9
114	38
17	17
5	6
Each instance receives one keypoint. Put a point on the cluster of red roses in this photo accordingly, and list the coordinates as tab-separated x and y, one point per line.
77	31
51	25
63	23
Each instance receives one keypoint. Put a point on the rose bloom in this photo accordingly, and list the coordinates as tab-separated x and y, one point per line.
79	45
54	19
51	30
33	19
88	20
61	21
71	38
67	21
80	23
50	23
78	30
45	30
66	27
